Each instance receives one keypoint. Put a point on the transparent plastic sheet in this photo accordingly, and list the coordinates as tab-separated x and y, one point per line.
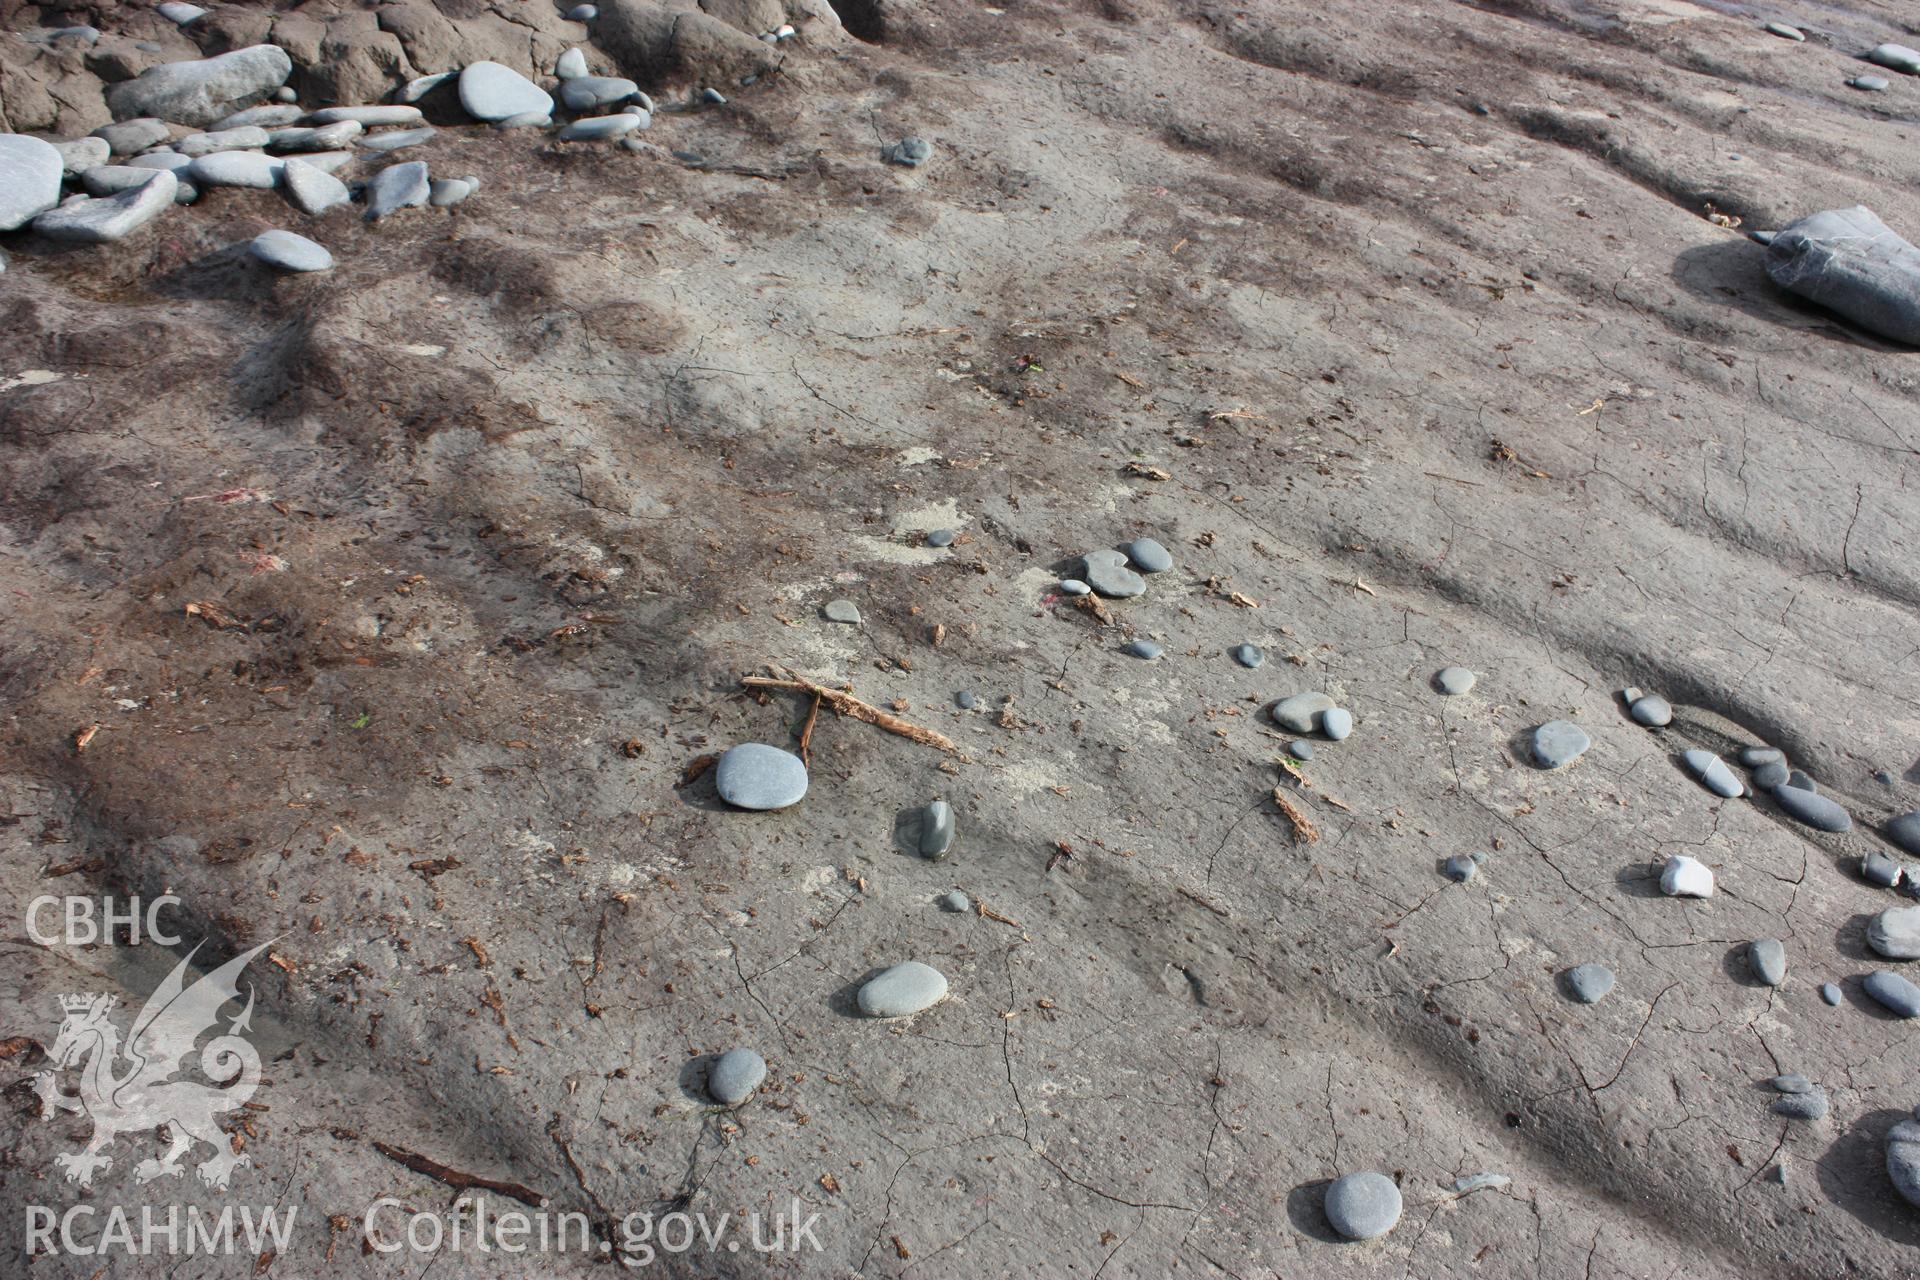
1850	262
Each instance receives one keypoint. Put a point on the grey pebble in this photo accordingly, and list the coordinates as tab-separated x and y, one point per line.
1801	782
1336	723
1074	587
246	138
129	136
1895	933
903	990
955	901
330	137
1895	57
966	700
1872	84
940	538
1754	756
290	252
571	66
1107	573
1149	556
1830	992
397	187
87	220
584	12
1878	868
713	96
733	1078
201	91
444	193
233	169
368	117
1589	982
584	93
1480	1182
489	91
112	179
525	120
1558	743
1786	32
1144	648
1363	1206
911	152
1248	655
1903	1160
1791	1082
842	611
398	139
77	155
1298	712
313	190
936	830
1712	772
420	86
1905	832
1300	749
272	116
1893	991
1768	959
1454	681
1801	1106
1771	774
1814	810
599	128
754	775
30	173
1653	711
1460	868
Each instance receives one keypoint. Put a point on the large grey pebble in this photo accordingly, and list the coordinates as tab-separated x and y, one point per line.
236	169
368	117
1248	655
172	160
1771	774
1558	743
842	611
270	116
1767	957
571	66
1801	1106
246	138
290	252
1298	712
200	92
1903	1160
1878	868
1814	810
735	1075
1589	982
1895	933
1893	991
110	218
129	136
179	12
903	990
400	186
1336	723
1149	556
598	128
754	775
584	93
1653	711
1454	681
326	137
312	190
30	173
1896	57
1905	832
1712	772
1871	84
1107	573
489	91
1363	1206
112	179
77	155
936	830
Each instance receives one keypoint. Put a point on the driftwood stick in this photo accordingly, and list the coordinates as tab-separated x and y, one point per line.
806	732
847	705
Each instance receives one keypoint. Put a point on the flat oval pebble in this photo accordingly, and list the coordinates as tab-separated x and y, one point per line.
1905	832
1685	877
940	538
1903	1160
1768	959
1336	723
903	990
1454	681
1893	991
526	120
842	611
1792	1082
1814	810
290	252
1144	648
1589	982
1872	84
1786	32
272	116
112	179
1363	1206
1771	774
1300	749
77	155
955	901
1460	868
599	128
1878	868
936	830
398	139
754	775
489	91
1558	743
1801	1106
235	169
1652	711
1298	712
1149	556
1895	57
1830	992
246	138
1753	756
325	138
1248	655
733	1078
584	12
129	136
30	173
1895	933
370	116
1074	587
584	93
1712	772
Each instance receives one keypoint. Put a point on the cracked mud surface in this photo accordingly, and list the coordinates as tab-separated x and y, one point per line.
1430	387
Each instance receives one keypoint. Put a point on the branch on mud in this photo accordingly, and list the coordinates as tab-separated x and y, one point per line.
847	705
455	1178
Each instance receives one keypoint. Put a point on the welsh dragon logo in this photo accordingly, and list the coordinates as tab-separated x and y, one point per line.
132	1089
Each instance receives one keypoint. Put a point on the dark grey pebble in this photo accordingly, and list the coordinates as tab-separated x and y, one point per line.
1792	1082
1653	711
1905	832
1801	782
965	700
1768	960
940	538
1903	1160
1460	867
1107	573
1894	991
1149	556
1589	982
1872	84
1300	749
1830	992
1801	1106
936	830
1771	774
1878	868
911	152
1248	655
1814	810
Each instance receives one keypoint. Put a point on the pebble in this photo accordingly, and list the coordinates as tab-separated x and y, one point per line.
250	137
1894	991
940	538
1336	723
1786	32
1801	782
526	120
398	139
1107	573
936	830
1771	774
1074	587
330	161
583	93
1814	810
1558	743
200	92
1895	933
1298	712
572	65
179	12
86	220
1905	832
397	187
1878	868
1248	655
444	193
1589	982
285	93
159	160
489	91
713	96
911	152
313	190
1685	877
1792	1082
1903	1160
1896	57
1363	1206
1872	84
1480	1182
130	136
367	117
30	173
1712	772
1653	711
328	137
420	86
1143	648
733	1078
584	12
267	117
1752	756
1801	1106
903	990
598	128
1455	681
1460	868
966	700
77	155
236	169
112	179
290	252
1149	556
842	611
1882	777
1300	749
1768	960
754	775
956	901
1830	992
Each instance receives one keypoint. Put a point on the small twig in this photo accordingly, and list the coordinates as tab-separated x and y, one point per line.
991	914
1303	828
806	731
847	705
455	1178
